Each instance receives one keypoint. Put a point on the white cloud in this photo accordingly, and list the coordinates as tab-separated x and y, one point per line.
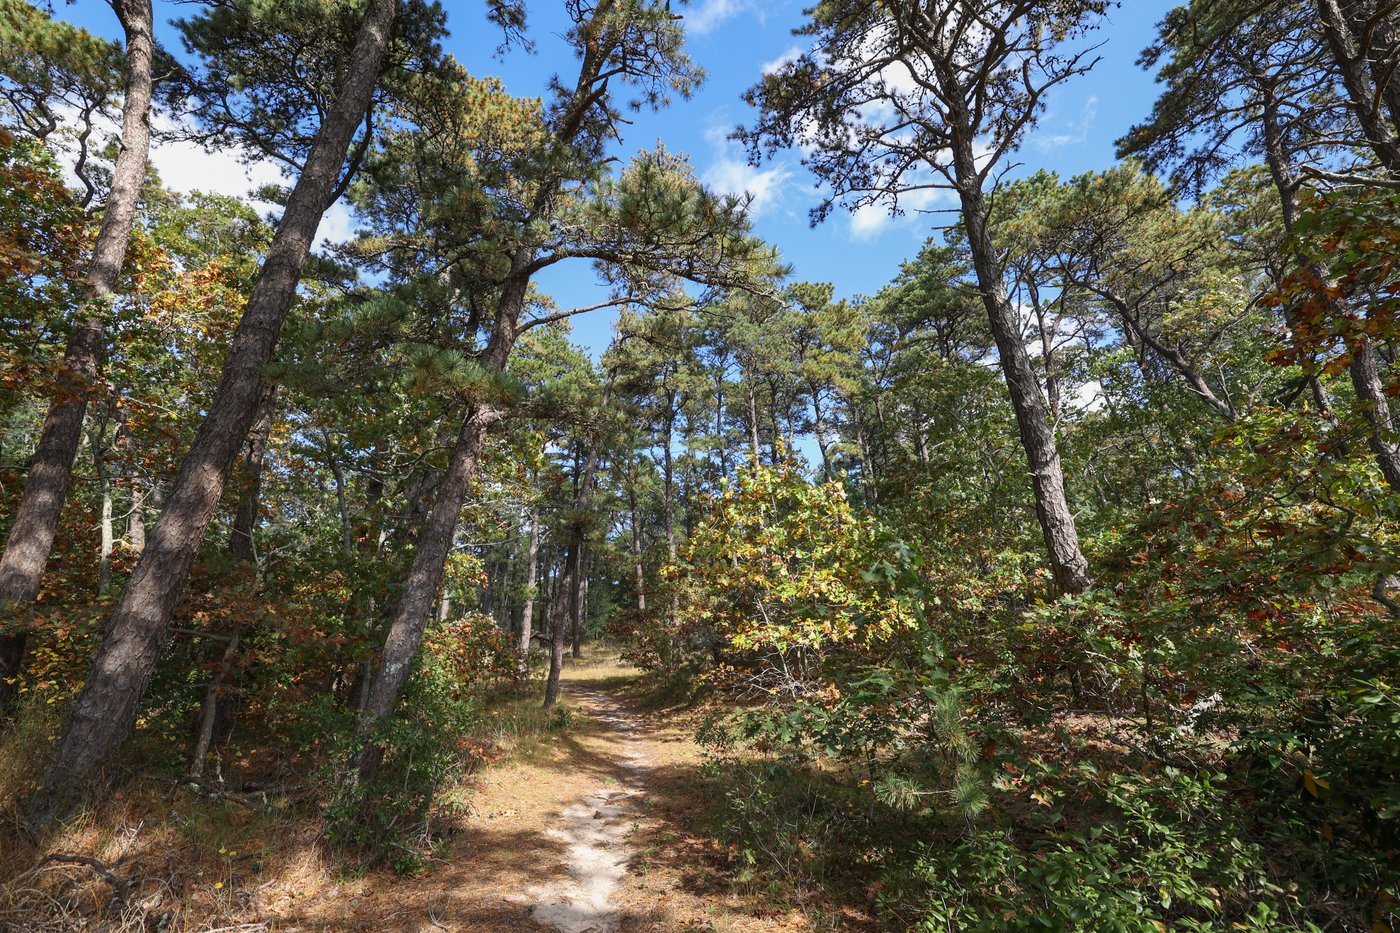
1075	134
787	58
186	166
870	220
708	15
731	173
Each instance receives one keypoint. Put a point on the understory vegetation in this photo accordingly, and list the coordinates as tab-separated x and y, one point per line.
1054	585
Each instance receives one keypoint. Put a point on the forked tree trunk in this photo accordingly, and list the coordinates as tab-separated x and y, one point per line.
105	710
36	518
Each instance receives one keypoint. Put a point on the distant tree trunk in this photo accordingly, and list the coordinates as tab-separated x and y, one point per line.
105	710
527	614
581	607
571	591
565	608
637	551
241	546
136	518
1067	563
31	536
819	429
100	466
753	420
243	549
209	709
1365	378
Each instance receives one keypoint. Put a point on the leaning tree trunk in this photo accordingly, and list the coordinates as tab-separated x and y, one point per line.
105	710
421	585
1067	563
36	519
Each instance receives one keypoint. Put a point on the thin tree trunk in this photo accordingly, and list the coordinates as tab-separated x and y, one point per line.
243	549
581	607
753	421
104	486
105	710
136	521
560	613
637	551
527	614
31	536
209	709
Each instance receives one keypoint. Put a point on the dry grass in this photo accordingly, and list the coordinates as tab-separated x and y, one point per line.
178	862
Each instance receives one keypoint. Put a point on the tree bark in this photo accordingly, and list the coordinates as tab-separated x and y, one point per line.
421	585
559	614
580	608
36	518
527	613
1067	563
1349	55
105	710
637	550
1365	378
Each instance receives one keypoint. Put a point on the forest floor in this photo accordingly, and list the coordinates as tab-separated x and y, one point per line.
597	827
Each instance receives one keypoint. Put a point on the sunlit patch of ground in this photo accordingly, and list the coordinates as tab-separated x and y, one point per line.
178	862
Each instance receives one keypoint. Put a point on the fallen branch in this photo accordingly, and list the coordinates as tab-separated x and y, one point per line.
119	887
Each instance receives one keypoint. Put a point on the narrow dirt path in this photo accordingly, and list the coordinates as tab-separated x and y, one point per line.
594	830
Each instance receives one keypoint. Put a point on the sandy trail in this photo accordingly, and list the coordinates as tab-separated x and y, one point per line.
594	831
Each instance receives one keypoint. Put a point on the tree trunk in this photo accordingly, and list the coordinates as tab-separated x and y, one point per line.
637	551
1349	54
1365	378
753	420
564	609
421	585
104	486
527	613
1067	563
105	710
1375	407
209	709
581	607
36	518
245	518
136	520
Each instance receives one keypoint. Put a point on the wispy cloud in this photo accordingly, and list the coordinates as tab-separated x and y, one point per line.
792	54
708	15
1075	134
730	172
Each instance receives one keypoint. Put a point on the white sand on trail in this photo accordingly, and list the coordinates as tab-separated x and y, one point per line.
594	830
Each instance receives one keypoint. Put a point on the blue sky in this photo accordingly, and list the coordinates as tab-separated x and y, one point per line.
733	40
